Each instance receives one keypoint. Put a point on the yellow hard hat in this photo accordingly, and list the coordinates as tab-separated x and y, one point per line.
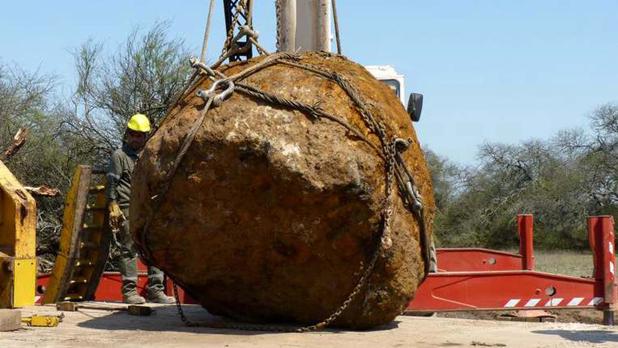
139	123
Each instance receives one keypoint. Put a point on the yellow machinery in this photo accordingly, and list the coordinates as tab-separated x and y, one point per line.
84	241
18	266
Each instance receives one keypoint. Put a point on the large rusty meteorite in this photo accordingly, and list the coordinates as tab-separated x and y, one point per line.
272	213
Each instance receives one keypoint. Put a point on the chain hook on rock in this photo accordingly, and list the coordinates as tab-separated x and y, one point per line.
217	98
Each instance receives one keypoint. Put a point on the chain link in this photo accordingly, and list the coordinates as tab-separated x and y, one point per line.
388	204
279	328
279	18
181	312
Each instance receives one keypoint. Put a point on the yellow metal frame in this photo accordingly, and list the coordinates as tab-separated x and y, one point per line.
17	242
43	320
73	209
84	241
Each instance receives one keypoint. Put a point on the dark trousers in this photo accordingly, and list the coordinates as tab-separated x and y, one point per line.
128	263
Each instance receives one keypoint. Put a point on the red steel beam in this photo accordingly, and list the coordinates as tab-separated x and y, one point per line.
110	284
481	259
490	280
524	289
601	237
476	259
525	227
108	289
504	290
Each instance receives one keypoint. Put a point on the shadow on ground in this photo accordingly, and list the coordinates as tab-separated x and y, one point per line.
166	318
590	336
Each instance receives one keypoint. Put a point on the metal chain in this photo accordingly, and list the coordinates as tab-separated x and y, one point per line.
314	111
142	236
366	273
279	19
227	46
378	128
181	312
388	202
412	199
362	107
392	158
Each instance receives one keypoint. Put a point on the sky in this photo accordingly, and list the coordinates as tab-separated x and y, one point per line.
489	70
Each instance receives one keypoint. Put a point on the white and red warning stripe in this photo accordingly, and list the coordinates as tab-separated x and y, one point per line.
553	302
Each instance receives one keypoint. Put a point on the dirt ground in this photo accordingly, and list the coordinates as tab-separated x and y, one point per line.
561	316
97	328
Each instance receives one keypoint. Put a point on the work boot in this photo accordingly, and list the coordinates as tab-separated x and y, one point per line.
160	297
133	298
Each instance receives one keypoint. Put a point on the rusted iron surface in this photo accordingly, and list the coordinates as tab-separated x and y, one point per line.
271	214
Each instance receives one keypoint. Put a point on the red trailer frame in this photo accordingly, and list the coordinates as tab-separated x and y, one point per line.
476	279
480	279
109	288
481	259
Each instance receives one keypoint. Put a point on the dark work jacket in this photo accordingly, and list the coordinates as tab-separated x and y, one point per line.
119	175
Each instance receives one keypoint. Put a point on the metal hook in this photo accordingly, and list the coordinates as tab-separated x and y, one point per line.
402	145
217	99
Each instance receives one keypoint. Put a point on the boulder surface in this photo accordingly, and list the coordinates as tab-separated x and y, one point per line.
272	214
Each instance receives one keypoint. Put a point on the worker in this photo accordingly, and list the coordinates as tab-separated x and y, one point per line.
119	196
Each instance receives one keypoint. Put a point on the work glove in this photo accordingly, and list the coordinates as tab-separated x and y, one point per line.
116	217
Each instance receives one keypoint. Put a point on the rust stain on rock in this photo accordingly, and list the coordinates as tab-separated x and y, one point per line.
271	214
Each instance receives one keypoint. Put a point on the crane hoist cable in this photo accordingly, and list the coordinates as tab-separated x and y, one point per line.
336	20
211	9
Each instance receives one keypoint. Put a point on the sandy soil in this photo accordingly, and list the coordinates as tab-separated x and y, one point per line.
97	328
587	316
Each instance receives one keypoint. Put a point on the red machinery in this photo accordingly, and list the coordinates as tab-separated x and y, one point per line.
476	279
110	283
480	259
482	279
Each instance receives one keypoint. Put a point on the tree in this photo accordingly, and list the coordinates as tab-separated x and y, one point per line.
602	157
445	177
561	181
143	76
27	101
447	180
598	152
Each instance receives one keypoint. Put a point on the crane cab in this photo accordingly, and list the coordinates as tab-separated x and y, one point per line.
395	81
